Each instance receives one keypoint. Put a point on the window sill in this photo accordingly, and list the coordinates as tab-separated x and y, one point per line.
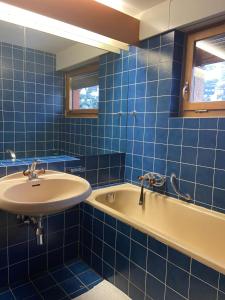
82	113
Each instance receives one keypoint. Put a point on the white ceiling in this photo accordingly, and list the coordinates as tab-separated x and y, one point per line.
130	7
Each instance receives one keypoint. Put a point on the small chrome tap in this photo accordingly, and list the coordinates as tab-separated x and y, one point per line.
12	154
31	172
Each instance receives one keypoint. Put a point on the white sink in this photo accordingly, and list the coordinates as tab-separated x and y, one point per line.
52	192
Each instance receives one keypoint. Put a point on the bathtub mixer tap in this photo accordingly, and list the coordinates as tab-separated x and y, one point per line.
153	179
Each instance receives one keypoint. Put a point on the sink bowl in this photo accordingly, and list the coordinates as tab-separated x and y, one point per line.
50	193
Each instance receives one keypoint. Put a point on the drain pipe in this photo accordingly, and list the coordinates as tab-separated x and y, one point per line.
40	232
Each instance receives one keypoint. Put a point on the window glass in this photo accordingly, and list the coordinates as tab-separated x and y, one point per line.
208	81
82	91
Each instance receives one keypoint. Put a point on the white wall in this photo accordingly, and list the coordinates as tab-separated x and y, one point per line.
76	55
182	13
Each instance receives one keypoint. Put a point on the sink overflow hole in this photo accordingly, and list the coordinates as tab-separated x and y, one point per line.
33	185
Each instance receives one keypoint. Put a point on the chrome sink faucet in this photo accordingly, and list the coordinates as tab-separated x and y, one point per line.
32	172
12	154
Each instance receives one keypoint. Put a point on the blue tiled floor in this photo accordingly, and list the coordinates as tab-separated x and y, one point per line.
65	282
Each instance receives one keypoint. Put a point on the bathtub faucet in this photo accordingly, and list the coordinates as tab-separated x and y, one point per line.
153	179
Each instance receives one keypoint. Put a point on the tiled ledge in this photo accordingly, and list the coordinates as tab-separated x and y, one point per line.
99	170
45	159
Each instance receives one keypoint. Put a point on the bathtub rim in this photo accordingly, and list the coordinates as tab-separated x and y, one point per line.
167	240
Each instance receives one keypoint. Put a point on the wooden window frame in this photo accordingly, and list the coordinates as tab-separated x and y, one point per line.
79	113
199	109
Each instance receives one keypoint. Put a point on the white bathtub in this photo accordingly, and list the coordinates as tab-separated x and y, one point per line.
193	230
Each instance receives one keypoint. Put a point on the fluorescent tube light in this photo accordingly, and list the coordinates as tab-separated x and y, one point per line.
26	18
206	46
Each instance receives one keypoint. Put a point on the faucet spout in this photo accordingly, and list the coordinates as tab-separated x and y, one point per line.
141	199
12	154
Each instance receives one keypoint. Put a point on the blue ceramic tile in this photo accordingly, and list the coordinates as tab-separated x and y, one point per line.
55	258
205	176
220	160
177	279
56	222
137	276
4	279
44	282
109	236
206	274
108	273
156	265
3	258
179	259
54	293
218	198
89	277
24	291
154	288
221	296
122	265
190	138
172	295
207	138
18	272
188	172
200	290
7	296
206	157
37	264
123	244
139	237
221	140
157	247
78	267
62	274
71	285
138	254
121	283
222	283
218	179
18	253
135	293
109	255
71	251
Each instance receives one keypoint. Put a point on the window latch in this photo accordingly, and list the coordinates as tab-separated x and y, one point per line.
185	91
199	111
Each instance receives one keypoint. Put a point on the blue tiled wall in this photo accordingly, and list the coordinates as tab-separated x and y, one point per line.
160	141
30	101
141	266
107	133
20	257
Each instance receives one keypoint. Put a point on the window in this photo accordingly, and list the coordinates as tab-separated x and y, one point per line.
204	78
82	92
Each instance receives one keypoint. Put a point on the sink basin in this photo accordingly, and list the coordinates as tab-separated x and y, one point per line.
50	193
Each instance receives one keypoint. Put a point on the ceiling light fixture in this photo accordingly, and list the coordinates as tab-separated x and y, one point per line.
26	18
206	46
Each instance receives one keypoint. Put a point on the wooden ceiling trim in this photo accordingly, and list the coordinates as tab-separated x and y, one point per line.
87	14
